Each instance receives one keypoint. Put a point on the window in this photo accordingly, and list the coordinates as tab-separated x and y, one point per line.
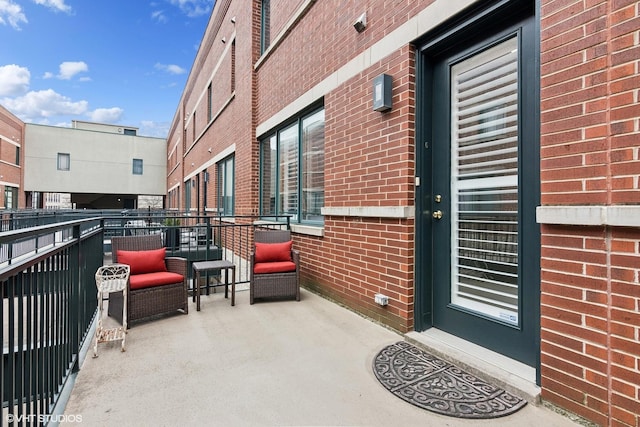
312	170
17	156
292	170
187	195
194	127
233	66
10	197
137	166
226	194
265	25
64	161
129	131
184	139
209	100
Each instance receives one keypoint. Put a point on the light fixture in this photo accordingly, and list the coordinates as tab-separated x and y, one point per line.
361	23
233	20
382	93
224	40
209	150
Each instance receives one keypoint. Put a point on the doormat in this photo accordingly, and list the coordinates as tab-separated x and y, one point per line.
438	386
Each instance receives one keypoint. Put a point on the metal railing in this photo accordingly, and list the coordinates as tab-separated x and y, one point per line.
49	301
199	238
49	297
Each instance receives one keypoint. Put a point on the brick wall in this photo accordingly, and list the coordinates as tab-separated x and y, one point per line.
11	137
228	67
589	156
357	259
369	159
590	62
324	41
369	162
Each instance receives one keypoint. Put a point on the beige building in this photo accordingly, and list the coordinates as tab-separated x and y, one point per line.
101	166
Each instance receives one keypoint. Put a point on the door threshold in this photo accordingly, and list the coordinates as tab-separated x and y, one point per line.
515	377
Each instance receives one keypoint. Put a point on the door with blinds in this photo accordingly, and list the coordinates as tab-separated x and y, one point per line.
482	202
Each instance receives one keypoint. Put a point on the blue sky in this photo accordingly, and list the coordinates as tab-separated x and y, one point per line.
109	61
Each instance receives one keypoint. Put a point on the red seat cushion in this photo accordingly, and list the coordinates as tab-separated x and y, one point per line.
274	267
147	280
273	252
141	262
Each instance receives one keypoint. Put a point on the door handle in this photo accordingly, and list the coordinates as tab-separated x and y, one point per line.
437	214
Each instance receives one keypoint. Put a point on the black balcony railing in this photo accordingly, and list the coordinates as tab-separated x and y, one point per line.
48	303
49	298
198	238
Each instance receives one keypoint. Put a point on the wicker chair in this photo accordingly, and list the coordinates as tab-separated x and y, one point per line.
152	301
274	284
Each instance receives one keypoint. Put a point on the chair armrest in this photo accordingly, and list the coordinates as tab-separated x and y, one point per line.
295	255
177	265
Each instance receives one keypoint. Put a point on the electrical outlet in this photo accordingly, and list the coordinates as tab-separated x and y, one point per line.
381	299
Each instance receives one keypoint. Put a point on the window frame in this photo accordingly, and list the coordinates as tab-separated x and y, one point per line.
10	197
298	217
222	169
140	163
209	103
265	25
60	164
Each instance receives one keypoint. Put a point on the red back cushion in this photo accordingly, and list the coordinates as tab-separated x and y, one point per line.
273	252
142	262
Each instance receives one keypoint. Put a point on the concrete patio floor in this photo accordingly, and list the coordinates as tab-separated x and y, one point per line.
283	363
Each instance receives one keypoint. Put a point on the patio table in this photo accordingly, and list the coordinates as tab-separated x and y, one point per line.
209	266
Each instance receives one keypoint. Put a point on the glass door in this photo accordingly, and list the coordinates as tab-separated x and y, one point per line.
484	183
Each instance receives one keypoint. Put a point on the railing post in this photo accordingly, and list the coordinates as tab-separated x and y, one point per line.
76	290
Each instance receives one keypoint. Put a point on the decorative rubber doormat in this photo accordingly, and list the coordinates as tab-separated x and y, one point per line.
438	386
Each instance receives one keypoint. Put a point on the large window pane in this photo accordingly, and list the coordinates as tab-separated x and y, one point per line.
484	183
313	166
288	171
64	161
292	170
10	197
225	186
265	25
269	160
137	166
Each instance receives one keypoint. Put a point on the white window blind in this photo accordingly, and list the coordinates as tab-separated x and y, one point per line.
484	184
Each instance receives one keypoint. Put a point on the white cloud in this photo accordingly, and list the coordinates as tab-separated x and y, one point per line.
156	129
47	75
106	115
171	68
159	16
12	13
193	8
43	104
57	5
69	69
14	80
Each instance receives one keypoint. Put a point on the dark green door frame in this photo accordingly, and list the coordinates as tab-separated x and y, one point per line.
462	32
